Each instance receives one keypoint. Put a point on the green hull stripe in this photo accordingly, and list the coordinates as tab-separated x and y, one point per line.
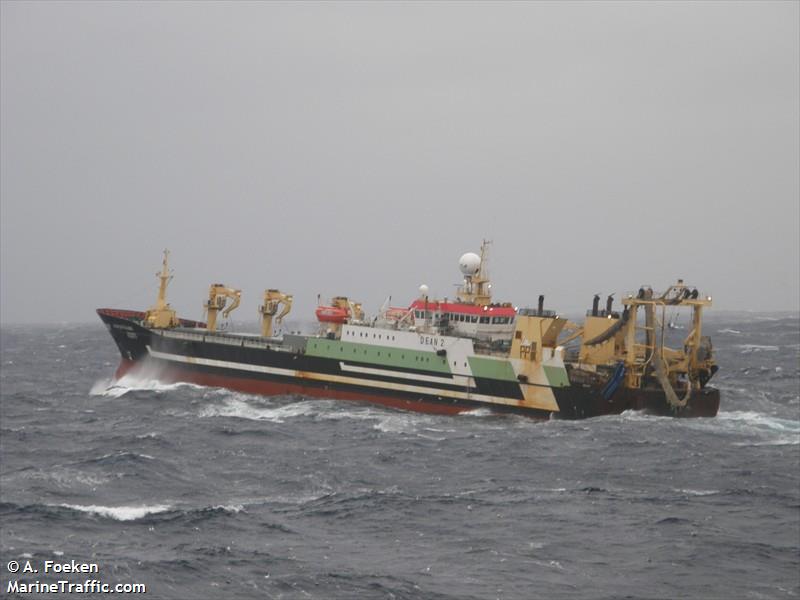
557	376
377	355
490	368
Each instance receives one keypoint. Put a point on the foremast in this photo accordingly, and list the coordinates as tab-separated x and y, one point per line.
161	315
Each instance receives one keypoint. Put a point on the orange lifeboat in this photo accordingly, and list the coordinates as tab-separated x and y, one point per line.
332	314
395	313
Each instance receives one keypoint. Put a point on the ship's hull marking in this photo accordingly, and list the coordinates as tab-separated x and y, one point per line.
344	380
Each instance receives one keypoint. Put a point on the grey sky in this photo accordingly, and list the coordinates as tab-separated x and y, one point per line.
360	149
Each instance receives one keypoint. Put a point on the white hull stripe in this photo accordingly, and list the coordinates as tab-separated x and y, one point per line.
400	374
340	379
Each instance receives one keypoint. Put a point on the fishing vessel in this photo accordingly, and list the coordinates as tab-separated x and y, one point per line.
438	355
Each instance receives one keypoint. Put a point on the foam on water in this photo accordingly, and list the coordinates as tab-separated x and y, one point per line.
237	407
767	430
110	388
757	420
690	492
749	348
478	412
120	513
402	423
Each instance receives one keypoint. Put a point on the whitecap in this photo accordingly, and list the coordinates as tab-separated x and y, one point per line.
120	513
781	441
477	412
758	420
401	423
235	407
131	383
749	348
727	330
231	508
691	492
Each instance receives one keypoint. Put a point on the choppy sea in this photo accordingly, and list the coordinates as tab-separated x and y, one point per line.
205	493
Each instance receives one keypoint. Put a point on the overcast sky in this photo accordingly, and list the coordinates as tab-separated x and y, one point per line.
359	149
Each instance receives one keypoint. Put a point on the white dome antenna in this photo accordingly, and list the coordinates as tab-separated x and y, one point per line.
423	291
469	264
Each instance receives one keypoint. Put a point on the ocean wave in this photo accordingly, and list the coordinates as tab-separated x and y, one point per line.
119	513
117	457
140	512
690	492
750	348
762	429
236	407
111	388
477	412
728	330
758	420
408	423
258	408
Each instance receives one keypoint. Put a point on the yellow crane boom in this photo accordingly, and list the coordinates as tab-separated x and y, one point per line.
272	300
218	296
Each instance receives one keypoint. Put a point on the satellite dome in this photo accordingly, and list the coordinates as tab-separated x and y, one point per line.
423	290
469	263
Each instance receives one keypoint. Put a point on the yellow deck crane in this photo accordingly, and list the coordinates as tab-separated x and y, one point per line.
161	315
272	300
218	296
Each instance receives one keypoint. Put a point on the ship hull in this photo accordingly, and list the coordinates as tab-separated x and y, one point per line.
236	365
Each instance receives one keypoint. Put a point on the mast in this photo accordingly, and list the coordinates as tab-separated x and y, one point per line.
165	277
476	289
161	315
